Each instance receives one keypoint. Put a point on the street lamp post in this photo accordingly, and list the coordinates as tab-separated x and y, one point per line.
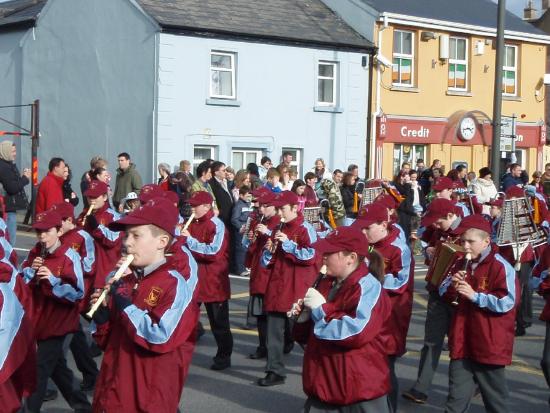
497	99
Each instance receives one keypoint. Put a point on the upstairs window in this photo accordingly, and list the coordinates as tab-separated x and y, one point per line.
222	75
510	71
327	82
458	63
403	58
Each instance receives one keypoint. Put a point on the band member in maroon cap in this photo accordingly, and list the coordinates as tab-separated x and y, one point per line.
481	336
148	327
341	322
291	257
207	239
261	228
441	219
96	223
18	357
54	273
398	281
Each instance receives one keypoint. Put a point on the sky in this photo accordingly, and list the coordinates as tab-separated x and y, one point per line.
515	6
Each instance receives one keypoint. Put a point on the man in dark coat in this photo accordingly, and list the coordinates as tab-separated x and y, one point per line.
224	199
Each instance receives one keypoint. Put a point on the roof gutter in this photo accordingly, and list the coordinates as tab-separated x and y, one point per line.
461	27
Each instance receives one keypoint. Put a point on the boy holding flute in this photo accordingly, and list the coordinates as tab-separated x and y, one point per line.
147	328
53	271
481	336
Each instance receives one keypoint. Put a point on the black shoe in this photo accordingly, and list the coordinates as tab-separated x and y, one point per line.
259	354
220	365
200	330
51	394
288	347
520	331
415	396
271	379
87	385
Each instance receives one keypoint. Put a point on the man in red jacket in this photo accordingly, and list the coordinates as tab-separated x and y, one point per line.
50	191
147	329
54	273
345	363
207	239
398	281
481	336
292	260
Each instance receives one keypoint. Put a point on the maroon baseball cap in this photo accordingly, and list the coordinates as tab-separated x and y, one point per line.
285	198
47	219
387	200
96	189
473	221
159	212
458	185
200	198
515	192
148	192
65	209
438	208
267	198
171	196
443	183
343	239
371	214
259	192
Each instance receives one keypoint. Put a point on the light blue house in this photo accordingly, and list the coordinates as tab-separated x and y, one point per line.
167	80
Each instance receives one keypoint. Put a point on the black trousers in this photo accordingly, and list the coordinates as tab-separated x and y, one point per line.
83	356
52	363
524	314
218	316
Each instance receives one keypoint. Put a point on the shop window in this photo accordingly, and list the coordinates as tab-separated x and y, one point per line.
222	75
510	71
407	153
458	63
240	158
403	58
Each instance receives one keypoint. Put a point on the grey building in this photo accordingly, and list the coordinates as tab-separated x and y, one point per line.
167	80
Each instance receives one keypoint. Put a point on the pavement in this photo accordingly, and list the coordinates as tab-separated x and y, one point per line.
234	390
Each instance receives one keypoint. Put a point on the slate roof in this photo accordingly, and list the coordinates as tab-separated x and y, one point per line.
473	12
289	21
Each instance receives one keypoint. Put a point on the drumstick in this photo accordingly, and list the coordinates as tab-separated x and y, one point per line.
118	275
90	209
188	222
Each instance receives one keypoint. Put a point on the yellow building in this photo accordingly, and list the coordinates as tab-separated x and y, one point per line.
433	82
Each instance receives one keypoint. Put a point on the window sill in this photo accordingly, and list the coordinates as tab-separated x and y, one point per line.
511	98
223	102
459	93
329	109
404	89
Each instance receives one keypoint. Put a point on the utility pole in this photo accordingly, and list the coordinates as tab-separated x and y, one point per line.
497	99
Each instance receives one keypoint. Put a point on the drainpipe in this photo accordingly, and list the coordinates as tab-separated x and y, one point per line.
368	152
375	169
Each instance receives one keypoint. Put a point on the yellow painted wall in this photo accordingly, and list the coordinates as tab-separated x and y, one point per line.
431	80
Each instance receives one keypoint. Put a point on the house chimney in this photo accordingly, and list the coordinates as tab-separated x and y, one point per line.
529	12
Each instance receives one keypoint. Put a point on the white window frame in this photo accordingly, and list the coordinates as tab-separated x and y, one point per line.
213	149
334	79
404	56
510	69
459	62
245	151
296	159
233	71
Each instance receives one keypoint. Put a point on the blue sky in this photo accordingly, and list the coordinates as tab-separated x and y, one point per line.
515	6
